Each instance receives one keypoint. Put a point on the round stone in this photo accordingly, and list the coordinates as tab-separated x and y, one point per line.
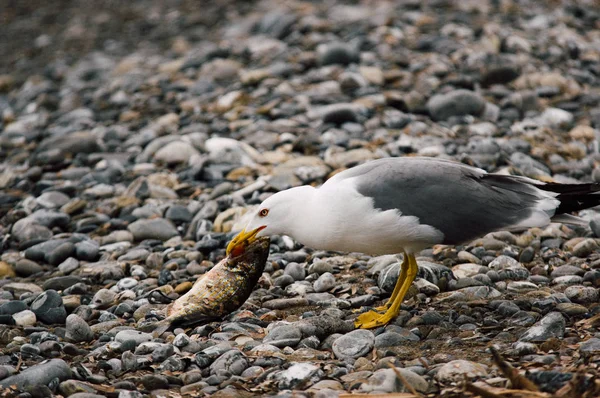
457	370
324	283
354	344
48	308
284	336
77	329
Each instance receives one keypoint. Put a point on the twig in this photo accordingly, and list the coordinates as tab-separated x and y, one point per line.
518	381
19	363
405	382
470	387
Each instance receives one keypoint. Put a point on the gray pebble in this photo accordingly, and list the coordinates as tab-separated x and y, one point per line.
48	308
456	370
282	336
296	271
77	329
324	283
299	374
233	362
355	344
156	228
386	381
455	103
582	294
40	374
138	337
552	325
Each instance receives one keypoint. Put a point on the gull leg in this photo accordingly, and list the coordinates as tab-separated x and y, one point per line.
399	283
372	319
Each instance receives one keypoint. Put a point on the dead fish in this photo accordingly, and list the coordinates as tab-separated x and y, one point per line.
220	291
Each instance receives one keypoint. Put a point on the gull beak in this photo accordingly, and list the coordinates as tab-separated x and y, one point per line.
243	238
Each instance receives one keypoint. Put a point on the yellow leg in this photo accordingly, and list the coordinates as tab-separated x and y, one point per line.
399	283
372	319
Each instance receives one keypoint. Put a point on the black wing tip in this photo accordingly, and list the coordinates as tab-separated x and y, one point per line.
574	197
570	189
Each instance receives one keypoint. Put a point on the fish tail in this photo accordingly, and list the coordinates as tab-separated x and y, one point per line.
161	327
156	328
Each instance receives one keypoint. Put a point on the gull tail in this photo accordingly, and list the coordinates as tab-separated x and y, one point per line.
573	197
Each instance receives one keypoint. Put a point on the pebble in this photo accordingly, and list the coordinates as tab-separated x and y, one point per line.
156	228
337	53
24	318
585	248
284	336
134	335
324	283
590	347
233	362
25	267
551	325
457	370
77	329
455	103
296	271
392	339
386	381
582	294
300	374
39	375
48	308
355	344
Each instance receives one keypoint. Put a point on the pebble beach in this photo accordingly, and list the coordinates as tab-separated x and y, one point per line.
134	139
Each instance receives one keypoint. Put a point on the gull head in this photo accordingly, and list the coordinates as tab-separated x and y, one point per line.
276	215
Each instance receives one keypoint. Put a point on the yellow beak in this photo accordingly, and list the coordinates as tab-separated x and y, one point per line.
243	238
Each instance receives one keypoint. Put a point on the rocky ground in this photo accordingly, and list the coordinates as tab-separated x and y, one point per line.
134	136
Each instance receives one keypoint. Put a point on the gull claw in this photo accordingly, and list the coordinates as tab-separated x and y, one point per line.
372	319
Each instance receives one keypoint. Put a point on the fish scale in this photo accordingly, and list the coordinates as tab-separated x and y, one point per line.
220	291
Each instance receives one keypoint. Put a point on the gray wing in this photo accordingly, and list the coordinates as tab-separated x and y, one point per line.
461	201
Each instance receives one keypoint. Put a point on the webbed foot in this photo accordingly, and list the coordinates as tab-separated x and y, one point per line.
372	319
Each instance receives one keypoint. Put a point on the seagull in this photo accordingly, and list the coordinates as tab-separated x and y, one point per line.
404	205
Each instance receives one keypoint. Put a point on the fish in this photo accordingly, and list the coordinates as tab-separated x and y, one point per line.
220	291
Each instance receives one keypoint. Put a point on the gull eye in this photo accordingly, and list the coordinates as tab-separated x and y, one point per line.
263	212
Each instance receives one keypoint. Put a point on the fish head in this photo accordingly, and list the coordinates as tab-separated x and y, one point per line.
253	252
